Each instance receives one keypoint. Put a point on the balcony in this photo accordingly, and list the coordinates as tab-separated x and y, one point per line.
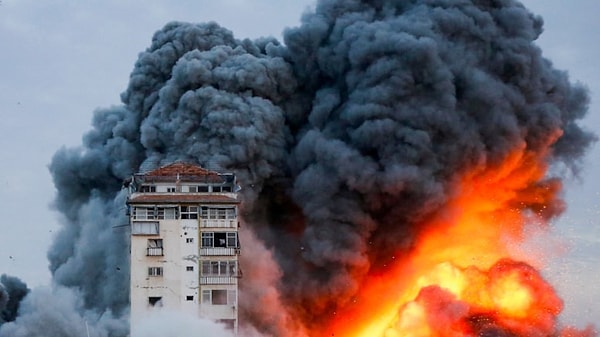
218	280
219	251
154	251
218	223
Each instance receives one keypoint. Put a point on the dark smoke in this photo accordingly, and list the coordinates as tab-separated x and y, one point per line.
12	291
405	95
344	138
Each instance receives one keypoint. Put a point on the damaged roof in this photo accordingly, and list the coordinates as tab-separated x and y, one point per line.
184	172
180	168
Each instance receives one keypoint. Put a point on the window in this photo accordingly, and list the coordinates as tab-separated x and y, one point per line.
226	239
219	297
189	298
232	239
219	268
219	239
170	189
143	213
144	228
168	213
189	268
155	271
148	189
206	296
155	301
189	240
198	189
218	213
151	213
189	212
155	247
221	188
208	239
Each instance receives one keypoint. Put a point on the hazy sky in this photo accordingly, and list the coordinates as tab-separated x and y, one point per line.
60	60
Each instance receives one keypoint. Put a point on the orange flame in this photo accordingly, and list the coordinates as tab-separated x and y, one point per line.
459	279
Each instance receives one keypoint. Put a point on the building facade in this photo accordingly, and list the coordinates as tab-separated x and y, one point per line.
184	243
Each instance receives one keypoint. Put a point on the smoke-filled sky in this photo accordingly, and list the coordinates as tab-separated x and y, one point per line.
61	61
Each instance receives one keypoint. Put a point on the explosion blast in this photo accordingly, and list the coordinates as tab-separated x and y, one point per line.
390	154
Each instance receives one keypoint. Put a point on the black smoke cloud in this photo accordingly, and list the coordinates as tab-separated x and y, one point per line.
12	291
344	138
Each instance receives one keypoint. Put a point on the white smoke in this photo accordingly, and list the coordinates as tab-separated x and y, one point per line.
168	323
59	312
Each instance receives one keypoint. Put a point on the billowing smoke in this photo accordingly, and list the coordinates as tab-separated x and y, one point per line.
12	291
344	139
166	323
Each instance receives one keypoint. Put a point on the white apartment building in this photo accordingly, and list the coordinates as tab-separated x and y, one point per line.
184	243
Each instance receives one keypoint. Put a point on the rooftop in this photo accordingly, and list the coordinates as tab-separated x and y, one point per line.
185	172
179	168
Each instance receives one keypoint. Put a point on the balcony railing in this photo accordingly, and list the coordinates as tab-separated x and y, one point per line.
219	251
218	279
218	223
155	251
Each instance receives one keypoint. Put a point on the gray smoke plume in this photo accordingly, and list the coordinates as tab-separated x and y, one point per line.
344	139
